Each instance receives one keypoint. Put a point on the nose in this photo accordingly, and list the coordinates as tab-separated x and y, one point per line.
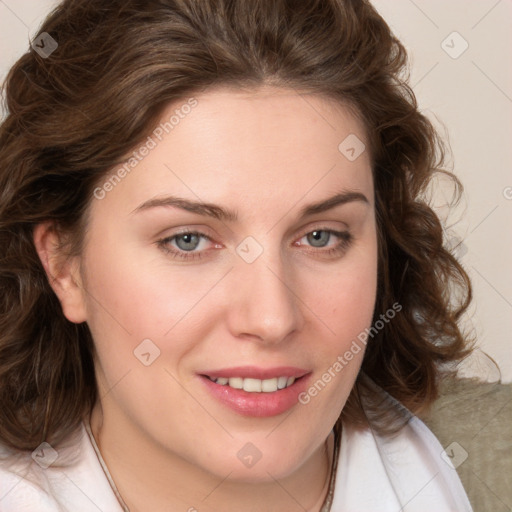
264	304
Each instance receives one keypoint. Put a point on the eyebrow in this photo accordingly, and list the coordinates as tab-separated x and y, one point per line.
224	214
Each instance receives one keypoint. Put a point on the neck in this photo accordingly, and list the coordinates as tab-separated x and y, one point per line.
148	478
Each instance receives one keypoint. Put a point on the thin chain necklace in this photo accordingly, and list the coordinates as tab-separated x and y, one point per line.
326	505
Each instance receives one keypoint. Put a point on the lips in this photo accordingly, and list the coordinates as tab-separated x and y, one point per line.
253	391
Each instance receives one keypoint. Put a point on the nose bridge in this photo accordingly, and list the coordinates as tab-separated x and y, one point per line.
266	305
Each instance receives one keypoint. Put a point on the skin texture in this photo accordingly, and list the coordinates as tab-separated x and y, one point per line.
264	154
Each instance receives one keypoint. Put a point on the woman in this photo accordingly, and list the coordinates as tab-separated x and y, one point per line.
223	289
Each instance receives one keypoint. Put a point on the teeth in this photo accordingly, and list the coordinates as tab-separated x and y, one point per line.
236	382
252	385
269	385
281	382
256	385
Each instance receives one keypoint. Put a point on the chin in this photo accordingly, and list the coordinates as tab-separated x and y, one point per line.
244	462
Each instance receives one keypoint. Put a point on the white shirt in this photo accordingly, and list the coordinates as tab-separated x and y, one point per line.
405	473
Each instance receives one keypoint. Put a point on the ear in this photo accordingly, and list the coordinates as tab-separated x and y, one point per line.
63	272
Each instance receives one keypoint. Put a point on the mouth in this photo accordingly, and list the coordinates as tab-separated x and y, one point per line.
256	392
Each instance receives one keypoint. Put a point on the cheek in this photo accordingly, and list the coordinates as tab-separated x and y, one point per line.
142	297
139	293
345	308
345	298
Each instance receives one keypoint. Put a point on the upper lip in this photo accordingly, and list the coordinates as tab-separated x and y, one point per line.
254	372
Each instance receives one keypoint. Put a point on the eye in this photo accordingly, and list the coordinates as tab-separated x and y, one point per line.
326	242
185	245
193	245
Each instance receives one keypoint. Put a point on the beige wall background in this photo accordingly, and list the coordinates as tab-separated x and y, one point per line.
461	56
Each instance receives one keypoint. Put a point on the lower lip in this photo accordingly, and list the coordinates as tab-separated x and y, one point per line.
257	404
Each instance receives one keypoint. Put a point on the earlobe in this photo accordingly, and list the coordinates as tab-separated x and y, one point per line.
62	272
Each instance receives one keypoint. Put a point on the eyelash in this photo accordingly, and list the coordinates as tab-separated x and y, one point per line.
345	237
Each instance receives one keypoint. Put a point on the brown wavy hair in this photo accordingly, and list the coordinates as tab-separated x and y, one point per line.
73	116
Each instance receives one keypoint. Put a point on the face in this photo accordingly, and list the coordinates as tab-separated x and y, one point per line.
241	246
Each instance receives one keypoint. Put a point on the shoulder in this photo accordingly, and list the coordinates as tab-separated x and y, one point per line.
406	471
67	477
23	484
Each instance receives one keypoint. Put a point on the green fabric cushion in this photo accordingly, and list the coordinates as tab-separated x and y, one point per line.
478	416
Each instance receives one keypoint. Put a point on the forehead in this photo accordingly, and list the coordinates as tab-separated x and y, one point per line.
275	145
